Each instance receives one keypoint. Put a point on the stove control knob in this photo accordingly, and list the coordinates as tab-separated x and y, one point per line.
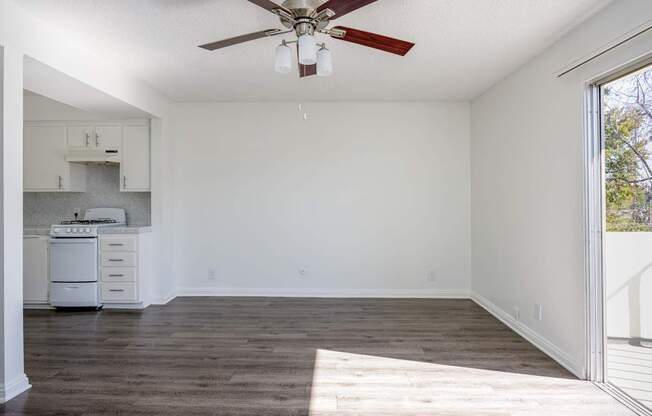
56	230
68	230
74	230
88	230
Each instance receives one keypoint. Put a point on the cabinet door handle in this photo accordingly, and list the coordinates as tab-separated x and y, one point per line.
87	136
116	259
116	244
124	182
116	275
60	178
116	290
97	139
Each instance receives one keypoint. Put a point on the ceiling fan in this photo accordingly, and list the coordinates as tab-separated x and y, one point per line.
305	18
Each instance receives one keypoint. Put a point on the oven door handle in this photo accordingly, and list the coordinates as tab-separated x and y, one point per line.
72	240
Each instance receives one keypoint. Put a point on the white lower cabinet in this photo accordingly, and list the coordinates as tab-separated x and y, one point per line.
124	268
118	274
118	259
35	269
119	292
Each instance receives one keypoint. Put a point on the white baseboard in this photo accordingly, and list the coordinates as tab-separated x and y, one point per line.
37	306
124	305
322	293
165	299
12	389
554	352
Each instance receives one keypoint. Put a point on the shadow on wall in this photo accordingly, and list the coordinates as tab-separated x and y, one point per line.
628	259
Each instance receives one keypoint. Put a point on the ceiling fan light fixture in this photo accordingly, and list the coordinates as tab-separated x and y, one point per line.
305	18
283	62
324	62
307	49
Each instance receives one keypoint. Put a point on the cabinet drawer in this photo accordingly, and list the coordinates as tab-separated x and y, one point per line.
117	259
118	243
118	274
119	292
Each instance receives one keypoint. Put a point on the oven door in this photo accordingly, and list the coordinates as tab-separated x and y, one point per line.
73	260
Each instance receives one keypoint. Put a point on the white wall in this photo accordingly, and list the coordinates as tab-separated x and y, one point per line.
39	108
527	183
367	197
628	270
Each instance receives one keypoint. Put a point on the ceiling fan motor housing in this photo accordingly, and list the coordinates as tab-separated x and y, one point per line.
305	17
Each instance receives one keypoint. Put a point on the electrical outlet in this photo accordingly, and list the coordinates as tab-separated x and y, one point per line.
211	274
538	312
432	277
517	313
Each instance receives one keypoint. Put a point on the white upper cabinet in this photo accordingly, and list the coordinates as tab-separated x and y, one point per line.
108	137
135	166
56	154
101	136
79	136
45	167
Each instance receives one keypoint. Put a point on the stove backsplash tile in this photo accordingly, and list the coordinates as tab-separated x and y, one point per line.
102	190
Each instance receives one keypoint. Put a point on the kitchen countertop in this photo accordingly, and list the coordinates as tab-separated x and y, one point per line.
129	229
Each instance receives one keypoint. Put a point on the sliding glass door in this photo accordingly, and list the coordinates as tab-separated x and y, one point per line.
626	116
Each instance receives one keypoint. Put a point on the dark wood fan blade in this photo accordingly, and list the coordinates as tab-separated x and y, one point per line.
266	4
239	39
306	70
373	40
342	7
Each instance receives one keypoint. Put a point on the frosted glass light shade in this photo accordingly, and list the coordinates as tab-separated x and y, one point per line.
324	62
283	62
307	50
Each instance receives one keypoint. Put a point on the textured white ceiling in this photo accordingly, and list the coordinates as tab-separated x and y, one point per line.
463	46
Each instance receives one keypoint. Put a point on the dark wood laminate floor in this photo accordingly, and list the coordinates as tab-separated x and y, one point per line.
262	356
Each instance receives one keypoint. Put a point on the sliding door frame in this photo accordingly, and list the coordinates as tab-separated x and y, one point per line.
594	232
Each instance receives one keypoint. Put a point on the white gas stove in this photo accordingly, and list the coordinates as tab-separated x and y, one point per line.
94	218
74	266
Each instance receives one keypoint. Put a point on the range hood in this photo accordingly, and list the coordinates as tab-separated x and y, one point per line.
86	155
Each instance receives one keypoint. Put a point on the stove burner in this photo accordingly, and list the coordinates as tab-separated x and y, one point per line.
90	222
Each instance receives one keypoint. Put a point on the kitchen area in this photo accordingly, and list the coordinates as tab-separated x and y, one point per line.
86	208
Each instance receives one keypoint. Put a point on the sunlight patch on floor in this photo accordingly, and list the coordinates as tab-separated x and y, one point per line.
345	383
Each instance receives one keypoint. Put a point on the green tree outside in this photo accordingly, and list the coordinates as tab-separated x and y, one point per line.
627	127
